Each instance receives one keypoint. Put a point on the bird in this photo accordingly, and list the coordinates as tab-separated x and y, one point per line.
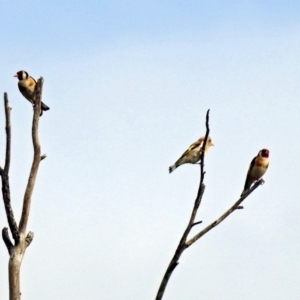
257	168
27	86
193	154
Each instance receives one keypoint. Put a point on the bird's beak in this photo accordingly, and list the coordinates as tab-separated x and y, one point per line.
16	75
212	144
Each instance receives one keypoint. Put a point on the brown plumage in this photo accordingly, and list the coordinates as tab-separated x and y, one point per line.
193	154
257	168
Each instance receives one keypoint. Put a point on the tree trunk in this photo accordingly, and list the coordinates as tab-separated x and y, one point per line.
14	266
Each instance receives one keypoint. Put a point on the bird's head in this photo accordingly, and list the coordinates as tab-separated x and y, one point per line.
21	75
263	153
209	142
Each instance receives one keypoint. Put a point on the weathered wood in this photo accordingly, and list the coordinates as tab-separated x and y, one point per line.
21	239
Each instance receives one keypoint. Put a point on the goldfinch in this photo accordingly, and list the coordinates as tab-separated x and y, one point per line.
26	86
257	168
193	154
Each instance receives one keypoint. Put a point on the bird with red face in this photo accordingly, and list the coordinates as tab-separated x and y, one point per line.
257	168
26	86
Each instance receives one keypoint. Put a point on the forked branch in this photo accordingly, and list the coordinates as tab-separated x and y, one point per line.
21	240
184	244
235	206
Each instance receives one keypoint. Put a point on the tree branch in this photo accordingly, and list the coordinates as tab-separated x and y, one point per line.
6	239
5	178
36	158
8	133
225	215
182	244
203	148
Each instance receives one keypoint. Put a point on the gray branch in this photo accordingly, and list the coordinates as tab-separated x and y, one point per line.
235	206
36	158
5	178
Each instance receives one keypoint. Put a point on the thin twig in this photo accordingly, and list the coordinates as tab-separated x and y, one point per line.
36	158
225	215
196	223
182	244
8	133
203	148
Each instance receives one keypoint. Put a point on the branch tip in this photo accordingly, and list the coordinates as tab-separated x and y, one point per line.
196	223
43	156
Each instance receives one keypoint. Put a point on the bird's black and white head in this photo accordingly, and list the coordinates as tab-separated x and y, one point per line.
21	75
263	153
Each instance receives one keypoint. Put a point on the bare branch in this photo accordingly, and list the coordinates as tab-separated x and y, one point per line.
36	158
6	239
8	208
8	133
196	223
182	244
43	156
235	206
5	178
29	238
203	148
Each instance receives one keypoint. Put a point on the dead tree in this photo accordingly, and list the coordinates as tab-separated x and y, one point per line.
21	239
184	242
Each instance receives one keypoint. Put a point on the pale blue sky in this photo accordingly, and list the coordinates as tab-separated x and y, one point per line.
129	84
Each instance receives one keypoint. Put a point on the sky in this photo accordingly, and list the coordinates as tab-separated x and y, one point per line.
128	84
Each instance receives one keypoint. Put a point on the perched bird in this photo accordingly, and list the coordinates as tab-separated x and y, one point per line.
193	154
26	86
257	168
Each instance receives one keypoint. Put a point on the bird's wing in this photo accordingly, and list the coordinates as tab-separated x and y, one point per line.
191	148
251	165
22	88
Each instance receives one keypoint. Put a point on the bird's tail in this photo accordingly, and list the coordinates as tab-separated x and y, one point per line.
44	106
247	186
172	168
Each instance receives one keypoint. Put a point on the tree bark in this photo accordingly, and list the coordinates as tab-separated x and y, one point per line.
14	266
22	240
